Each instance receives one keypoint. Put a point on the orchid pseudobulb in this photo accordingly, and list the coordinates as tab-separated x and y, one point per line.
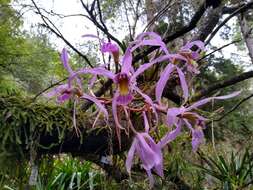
128	95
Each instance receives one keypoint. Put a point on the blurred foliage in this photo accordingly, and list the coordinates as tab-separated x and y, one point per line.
233	172
70	173
27	59
22	122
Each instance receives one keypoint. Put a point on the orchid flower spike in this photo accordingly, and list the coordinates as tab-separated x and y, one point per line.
125	82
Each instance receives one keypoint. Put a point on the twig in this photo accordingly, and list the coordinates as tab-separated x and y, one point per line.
159	14
100	16
137	15
244	7
220	48
222	84
128	21
51	86
58	33
234	108
101	27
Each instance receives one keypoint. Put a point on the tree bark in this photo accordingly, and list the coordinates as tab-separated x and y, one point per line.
150	12
247	34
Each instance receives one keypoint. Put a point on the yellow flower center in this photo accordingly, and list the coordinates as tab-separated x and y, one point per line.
123	85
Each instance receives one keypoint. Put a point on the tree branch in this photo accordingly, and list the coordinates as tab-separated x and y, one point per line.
185	29
234	108
222	84
239	10
229	10
220	48
101	27
58	34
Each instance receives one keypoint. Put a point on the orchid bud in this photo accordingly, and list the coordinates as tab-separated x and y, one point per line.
113	49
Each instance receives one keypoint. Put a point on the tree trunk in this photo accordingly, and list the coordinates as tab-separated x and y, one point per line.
246	33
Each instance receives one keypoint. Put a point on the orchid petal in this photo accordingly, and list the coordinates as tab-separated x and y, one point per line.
146	66
141	70
197	135
199	103
115	117
198	43
151	43
109	47
232	95
206	100
114	110
170	136
124	99
65	60
127	61
92	81
158	167
97	102
94	71
160	85
183	83
145	122
150	34
63	97
172	115
130	156
90	36
197	138
56	91
148	156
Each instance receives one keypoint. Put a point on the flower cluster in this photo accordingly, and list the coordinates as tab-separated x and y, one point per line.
127	90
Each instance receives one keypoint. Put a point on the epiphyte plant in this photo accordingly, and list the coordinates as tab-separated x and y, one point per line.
127	91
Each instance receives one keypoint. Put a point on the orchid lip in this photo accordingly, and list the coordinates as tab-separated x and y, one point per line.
123	83
124	99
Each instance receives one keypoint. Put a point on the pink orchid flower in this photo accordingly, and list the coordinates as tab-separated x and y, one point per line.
192	55
125	82
148	151
67	91
126	79
195	122
165	75
106	47
149	39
